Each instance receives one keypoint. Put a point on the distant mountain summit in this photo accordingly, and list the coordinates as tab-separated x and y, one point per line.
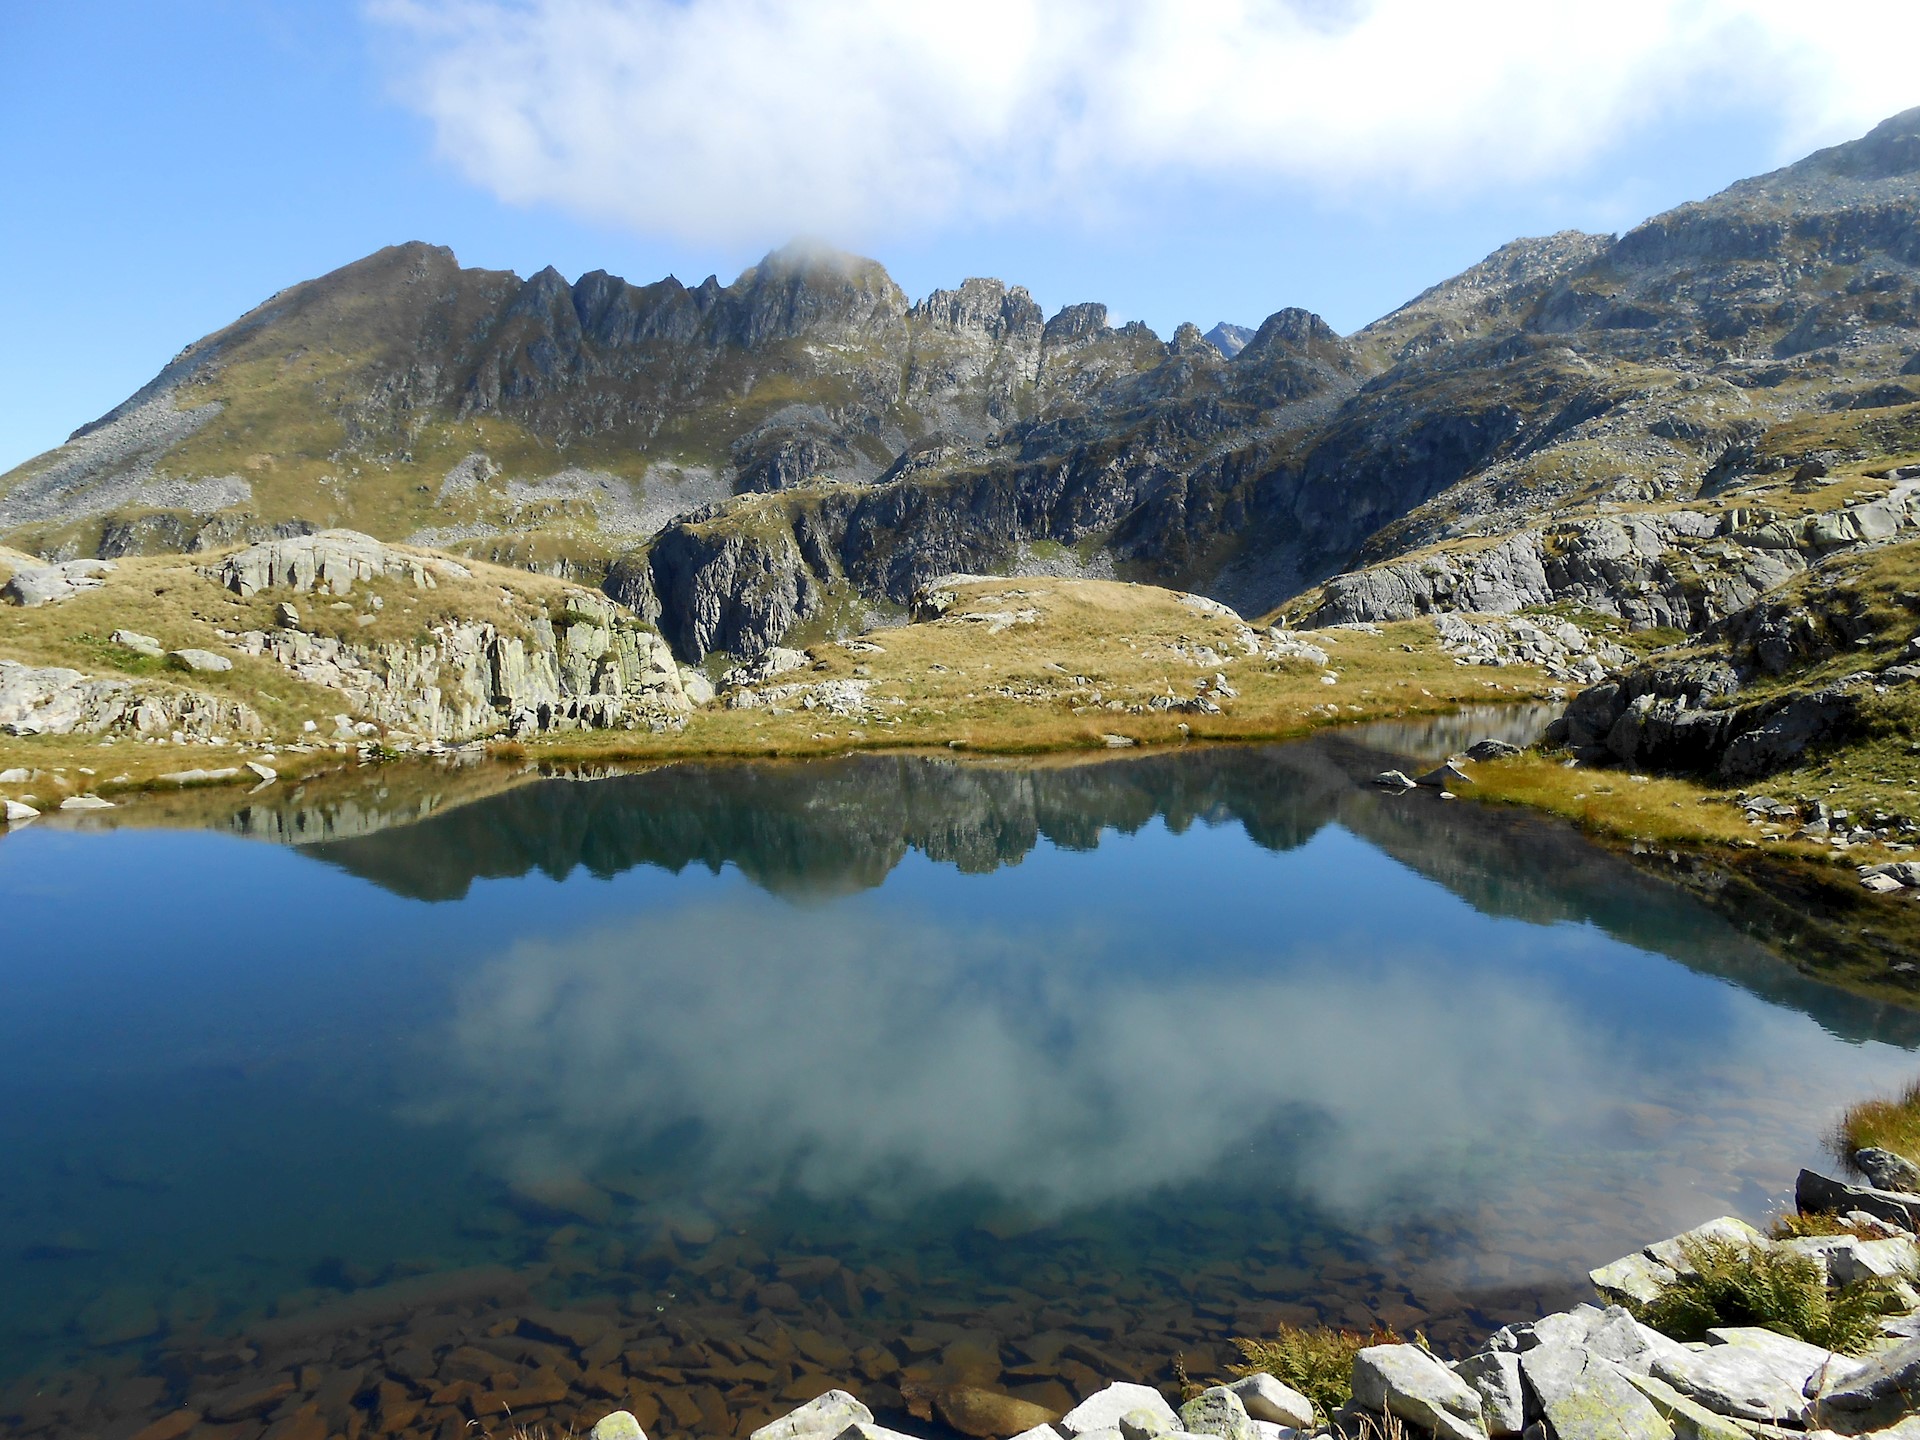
1228	339
806	444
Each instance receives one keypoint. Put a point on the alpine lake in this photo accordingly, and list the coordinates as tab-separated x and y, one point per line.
426	1110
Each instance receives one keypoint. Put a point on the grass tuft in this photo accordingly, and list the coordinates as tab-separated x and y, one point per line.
1317	1362
1889	1123
1773	1289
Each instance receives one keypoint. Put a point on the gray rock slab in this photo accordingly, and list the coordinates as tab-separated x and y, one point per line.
1738	1380
1689	1418
1632	1277
85	802
1585	1397
1406	1381
1880	1394
15	811
1816	1194
143	645
1495	1375
1818	1367
828	1415
1266	1398
1105	1409
199	660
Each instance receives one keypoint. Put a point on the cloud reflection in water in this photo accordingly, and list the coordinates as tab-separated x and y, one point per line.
854	1050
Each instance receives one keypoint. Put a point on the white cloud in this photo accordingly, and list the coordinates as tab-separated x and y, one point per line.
728	120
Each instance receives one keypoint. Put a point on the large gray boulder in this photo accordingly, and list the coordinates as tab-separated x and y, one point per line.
1587	1397
1406	1381
1266	1398
1142	1405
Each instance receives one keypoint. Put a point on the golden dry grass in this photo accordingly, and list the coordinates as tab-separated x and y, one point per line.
1089	662
1887	1123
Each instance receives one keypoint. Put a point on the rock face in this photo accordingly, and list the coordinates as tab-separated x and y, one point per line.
594	667
329	563
55	701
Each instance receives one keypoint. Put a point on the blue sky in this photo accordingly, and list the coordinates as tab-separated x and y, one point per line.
165	167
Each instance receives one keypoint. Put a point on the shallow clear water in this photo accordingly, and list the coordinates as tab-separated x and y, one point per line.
1145	1053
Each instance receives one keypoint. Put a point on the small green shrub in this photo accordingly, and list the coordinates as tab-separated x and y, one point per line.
1317	1362
1771	1288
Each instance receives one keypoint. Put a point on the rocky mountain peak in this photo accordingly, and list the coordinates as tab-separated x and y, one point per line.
1229	339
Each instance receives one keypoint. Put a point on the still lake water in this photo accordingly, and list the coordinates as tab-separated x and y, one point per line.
875	1052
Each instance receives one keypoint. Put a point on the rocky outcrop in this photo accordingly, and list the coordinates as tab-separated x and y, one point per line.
50	584
53	700
594	667
329	563
1680	569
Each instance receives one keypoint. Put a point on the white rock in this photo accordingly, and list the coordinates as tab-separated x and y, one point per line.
1266	1398
1040	1432
1406	1381
85	802
192	659
1587	1397
1632	1277
135	641
828	1415
267	775
1117	742
18	775
17	810
1104	1410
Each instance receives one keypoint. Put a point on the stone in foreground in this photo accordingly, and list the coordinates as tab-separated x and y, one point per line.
1144	1405
1585	1397
1406	1381
1743	1381
18	810
825	1416
1496	1376
1265	1398
1217	1411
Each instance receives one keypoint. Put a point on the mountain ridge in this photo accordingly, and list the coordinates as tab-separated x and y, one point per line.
805	445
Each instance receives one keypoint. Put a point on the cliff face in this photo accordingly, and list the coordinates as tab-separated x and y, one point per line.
806	443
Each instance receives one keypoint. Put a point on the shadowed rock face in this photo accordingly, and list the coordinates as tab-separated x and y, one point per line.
831	827
870	443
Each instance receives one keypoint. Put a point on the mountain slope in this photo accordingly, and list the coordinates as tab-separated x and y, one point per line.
805	446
